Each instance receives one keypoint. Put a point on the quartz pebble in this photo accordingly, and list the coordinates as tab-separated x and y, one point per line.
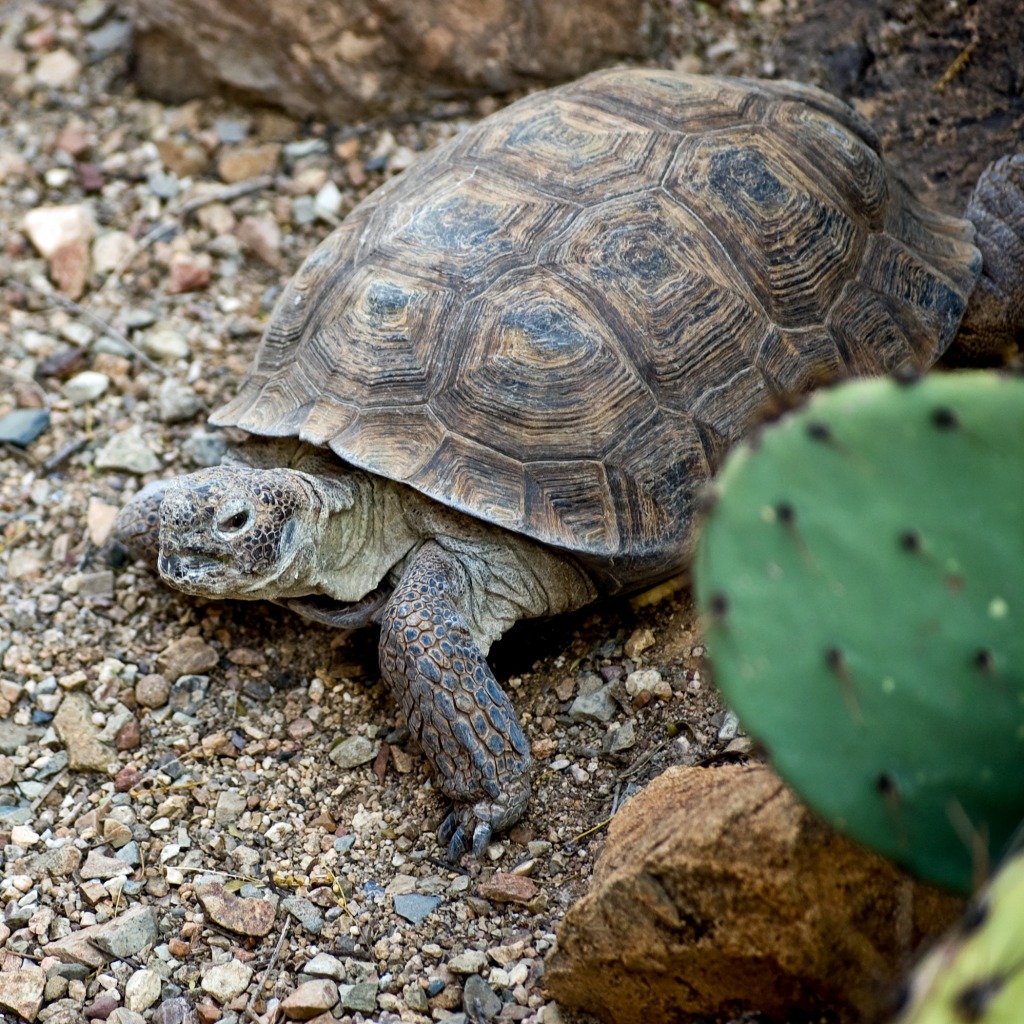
225	981
86	386
142	990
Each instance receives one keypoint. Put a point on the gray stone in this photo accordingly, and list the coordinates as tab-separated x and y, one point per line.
620	740
305	913
361	997
416	998
323	965
177	402
22	426
230	129
730	726
163	184
115	35
130	854
98	866
415	907
13	736
231	803
70	972
352	752
128	452
171	1011
99	583
127	935
599	706
480	1001
204	449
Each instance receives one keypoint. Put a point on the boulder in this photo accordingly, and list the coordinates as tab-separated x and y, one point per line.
718	892
344	59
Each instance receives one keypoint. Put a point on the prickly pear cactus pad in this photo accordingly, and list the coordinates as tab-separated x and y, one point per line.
977	973
861	577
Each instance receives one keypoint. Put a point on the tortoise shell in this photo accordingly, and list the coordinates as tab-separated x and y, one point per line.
559	320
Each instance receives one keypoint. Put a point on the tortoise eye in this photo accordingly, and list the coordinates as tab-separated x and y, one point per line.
235	522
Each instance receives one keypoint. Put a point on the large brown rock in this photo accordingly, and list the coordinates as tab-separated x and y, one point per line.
346	58
719	892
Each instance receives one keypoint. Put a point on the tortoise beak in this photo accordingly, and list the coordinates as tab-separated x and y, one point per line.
180	570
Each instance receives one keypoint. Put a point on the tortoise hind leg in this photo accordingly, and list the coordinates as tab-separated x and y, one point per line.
993	328
462	719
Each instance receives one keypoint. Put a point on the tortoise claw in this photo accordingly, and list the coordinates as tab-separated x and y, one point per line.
480	820
481	838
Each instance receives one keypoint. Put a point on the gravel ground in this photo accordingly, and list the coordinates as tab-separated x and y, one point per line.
208	763
221	792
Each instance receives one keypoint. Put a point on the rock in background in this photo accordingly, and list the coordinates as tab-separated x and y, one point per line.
346	58
718	892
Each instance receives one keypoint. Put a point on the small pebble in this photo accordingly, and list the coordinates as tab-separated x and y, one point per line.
470	961
328	201
415	907
254	917
152	690
505	887
188	655
352	752
115	35
188	693
599	706
86	386
310	999
165	345
128	451
323	965
225	981
482	1003
58	69
22	426
177	402
142	990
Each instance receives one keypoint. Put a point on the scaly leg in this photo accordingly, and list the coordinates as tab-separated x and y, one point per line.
462	719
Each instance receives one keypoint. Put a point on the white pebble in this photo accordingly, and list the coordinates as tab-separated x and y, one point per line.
86	386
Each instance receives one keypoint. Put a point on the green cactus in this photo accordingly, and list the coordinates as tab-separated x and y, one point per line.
861	577
977	973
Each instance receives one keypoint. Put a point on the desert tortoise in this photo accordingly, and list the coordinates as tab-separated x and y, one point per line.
497	386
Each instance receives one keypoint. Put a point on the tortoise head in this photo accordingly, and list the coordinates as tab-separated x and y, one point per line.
240	532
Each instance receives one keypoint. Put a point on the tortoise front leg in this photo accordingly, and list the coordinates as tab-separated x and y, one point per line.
462	719
137	526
